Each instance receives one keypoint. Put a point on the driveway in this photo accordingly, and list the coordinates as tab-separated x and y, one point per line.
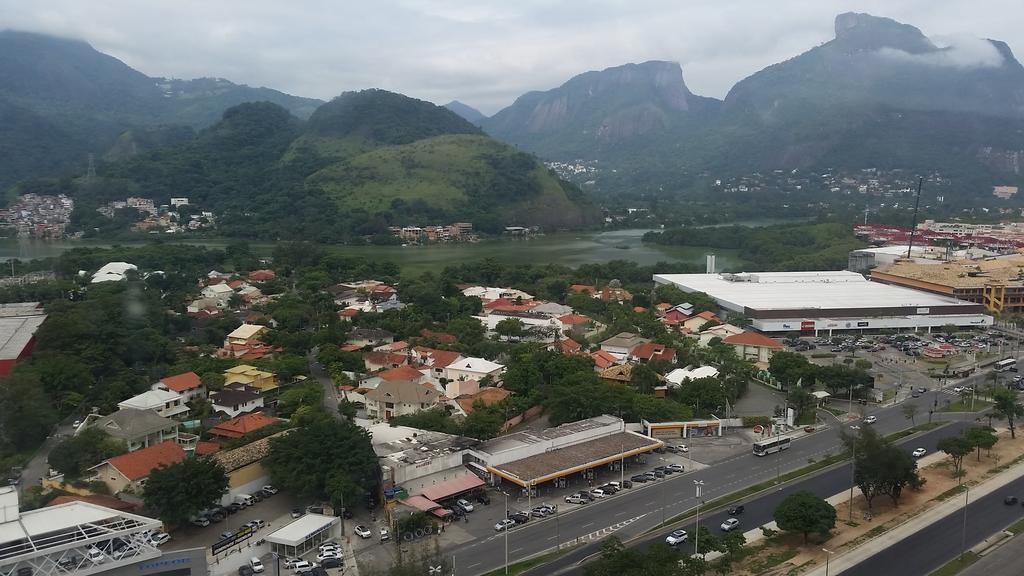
317	370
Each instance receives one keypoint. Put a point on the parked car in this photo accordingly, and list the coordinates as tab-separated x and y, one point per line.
730	524
270	489
202	521
676	467
676	537
296	512
330	546
333	562
918	452
256	565
227	534
256	524
159	538
95	556
921	389
363	532
504	524
519	517
576	499
233	507
302	566
483	498
328	553
658	474
385	535
551	508
539	512
735	510
641	478
597	493
245	570
871	419
290	563
464	504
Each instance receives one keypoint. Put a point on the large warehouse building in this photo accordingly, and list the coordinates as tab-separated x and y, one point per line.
18	324
822	302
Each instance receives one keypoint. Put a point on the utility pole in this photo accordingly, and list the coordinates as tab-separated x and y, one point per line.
696	526
506	535
342	496
828	557
853	476
963	534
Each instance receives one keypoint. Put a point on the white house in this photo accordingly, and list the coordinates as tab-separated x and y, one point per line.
622	344
487	293
722	331
399	397
473	369
164	402
188	384
234	402
221	293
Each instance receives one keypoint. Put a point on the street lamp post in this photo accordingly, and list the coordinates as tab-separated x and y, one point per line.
828	556
853	476
696	525
963	533
506	535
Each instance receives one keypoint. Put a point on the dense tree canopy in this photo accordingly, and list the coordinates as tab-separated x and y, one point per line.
805	512
177	492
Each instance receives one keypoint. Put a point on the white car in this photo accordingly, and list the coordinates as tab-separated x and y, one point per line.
504	524
302	566
730	524
329	553
290	563
675	467
676	537
76	423
465	505
917	453
270	489
95	556
871	419
958	389
363	532
598	493
256	565
682	448
159	538
384	534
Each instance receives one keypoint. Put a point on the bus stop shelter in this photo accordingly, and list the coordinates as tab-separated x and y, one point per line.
302	535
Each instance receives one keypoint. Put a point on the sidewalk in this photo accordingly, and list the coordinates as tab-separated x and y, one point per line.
851	558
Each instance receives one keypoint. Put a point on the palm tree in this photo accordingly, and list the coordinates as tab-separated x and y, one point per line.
1006	406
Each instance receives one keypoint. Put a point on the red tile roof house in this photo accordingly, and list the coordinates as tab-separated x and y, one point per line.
188	384
754	347
241	425
262	275
603	360
652	351
439	337
568	347
128	472
374	361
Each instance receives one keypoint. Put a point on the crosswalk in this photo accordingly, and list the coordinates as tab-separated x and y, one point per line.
599	534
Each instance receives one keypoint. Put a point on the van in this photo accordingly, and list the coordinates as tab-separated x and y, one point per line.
244	499
256	565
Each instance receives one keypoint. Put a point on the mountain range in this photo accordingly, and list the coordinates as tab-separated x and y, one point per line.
880	94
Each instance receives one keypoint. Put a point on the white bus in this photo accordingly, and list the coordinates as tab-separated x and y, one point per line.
771	445
1005	364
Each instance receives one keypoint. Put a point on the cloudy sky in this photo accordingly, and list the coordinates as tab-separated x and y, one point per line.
481	52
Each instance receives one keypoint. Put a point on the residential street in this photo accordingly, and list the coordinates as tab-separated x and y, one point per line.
634	511
330	391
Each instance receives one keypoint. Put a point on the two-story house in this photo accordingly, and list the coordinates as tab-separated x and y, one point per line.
474	369
236	401
164	402
399	397
754	347
188	384
137	428
251	376
622	344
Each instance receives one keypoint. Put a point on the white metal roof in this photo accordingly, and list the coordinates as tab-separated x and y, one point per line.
679	374
15	333
152	399
814	291
44	522
478	365
300	530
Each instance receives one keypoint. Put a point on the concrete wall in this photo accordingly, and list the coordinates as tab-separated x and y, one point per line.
824	325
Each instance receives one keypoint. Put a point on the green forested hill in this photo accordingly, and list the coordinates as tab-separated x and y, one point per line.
372	159
61	100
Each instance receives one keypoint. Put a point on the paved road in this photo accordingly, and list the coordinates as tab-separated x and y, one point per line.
1003	561
634	511
38	466
330	396
938	543
759	511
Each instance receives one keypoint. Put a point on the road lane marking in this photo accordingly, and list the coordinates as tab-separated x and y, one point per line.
585	525
516	550
473	565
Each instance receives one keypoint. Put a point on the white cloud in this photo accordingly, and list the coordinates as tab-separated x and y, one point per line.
482	52
957	52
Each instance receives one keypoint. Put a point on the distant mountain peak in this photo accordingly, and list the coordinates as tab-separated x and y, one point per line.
864	31
466	111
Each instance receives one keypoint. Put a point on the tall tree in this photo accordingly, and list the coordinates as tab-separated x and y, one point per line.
956	447
81	451
982	438
910	411
177	492
805	512
326	448
1006	406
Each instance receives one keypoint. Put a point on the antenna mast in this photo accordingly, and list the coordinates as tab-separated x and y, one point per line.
913	226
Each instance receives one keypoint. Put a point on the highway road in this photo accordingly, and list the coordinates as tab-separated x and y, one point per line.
936	544
635	511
